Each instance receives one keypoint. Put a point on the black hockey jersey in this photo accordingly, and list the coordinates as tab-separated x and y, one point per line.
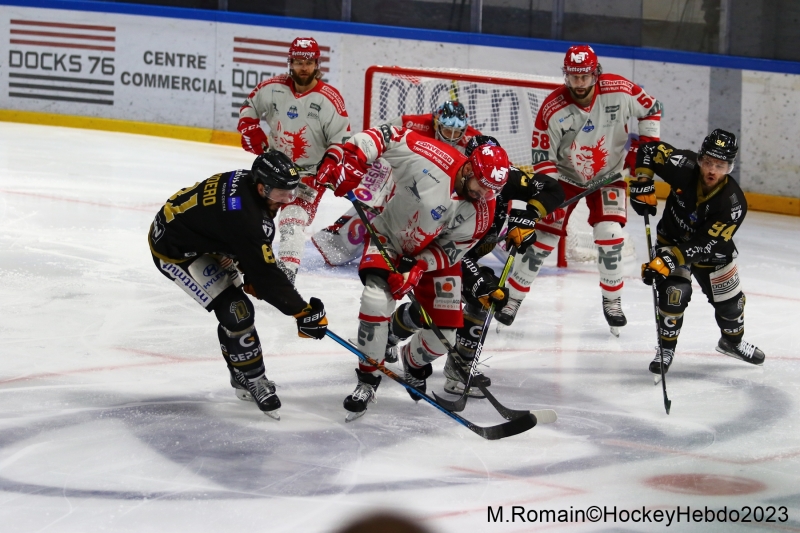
699	227
224	215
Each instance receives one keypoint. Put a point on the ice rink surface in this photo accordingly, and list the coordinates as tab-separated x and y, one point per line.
116	413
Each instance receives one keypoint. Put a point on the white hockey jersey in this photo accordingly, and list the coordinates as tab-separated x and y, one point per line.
424	217
301	126
577	144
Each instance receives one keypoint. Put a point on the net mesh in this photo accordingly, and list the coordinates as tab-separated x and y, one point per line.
500	104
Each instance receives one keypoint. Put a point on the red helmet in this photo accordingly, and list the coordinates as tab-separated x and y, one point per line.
490	164
304	48
580	59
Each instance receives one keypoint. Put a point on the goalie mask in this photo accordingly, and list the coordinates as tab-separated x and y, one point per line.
490	167
450	122
276	172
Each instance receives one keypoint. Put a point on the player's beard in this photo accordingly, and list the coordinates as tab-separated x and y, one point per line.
303	81
583	95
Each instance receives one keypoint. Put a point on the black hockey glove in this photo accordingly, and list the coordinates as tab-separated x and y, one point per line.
520	229
643	196
311	321
487	291
660	267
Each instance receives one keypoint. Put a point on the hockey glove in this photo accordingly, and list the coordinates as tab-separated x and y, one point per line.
342	168
659	268
409	272
520	229
311	321
254	140
555	216
643	196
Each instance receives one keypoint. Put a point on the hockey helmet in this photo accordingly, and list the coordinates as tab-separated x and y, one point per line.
490	165
479	140
276	172
450	121
581	59
304	48
720	144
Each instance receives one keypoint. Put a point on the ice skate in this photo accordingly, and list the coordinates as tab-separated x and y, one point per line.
655	364
364	393
744	351
612	309
261	391
506	315
454	383
414	376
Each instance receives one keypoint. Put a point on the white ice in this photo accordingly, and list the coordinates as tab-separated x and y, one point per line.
116	413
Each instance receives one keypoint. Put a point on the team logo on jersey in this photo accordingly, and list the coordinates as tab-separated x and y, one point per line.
437	212
292	113
588	161
269	229
589	126
158	228
292	144
677	160
414	191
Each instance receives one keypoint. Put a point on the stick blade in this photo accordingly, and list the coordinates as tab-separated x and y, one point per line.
454	406
545	416
506	429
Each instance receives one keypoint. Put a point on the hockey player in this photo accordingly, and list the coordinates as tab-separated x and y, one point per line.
305	115
199	237
704	210
541	195
342	241
443	203
579	135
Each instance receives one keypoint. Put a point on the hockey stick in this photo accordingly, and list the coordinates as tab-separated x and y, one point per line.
651	252
506	429
459	404
507	413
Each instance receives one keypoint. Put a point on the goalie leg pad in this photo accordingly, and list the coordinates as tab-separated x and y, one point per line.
527	267
292	222
609	239
342	241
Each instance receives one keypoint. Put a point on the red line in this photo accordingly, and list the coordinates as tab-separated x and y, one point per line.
63	25
55	34
273	43
98	204
64	45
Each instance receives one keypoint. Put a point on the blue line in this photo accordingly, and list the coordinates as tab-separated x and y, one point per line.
374	30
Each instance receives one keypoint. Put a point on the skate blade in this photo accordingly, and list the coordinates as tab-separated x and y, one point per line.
545	416
656	379
273	414
354	416
614	330
500	327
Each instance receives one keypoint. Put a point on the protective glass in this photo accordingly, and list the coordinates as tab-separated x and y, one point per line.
283	196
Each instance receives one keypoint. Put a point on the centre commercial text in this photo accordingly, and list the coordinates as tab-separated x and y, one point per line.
170	81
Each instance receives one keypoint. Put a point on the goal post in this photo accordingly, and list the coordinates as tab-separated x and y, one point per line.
501	104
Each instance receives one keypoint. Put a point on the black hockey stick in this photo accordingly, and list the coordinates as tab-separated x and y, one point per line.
651	252
507	413
506	429
459	404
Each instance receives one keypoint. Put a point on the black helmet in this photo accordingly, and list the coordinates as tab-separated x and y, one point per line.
275	170
479	140
720	144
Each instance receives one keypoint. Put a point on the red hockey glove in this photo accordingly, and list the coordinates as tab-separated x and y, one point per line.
409	272
643	196
659	268
555	216
311	321
343	167
254	139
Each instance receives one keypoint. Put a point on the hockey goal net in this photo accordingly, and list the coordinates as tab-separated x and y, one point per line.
501	104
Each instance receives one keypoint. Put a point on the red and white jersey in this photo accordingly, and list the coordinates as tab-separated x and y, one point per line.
424	217
301	126
423	124
577	143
